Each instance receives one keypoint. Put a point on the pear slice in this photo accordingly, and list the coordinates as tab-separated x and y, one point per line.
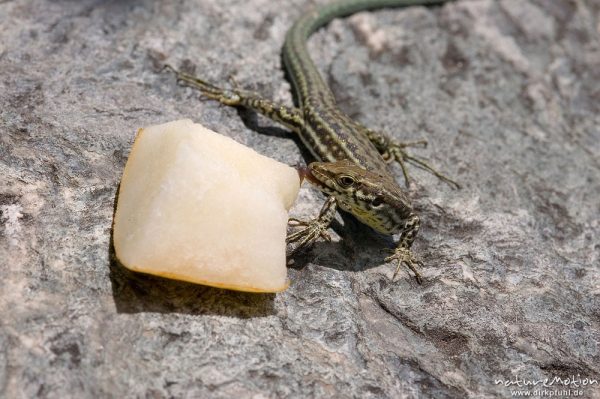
197	206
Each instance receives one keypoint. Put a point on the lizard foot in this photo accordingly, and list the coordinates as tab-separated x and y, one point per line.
224	96
397	152
406	257
309	232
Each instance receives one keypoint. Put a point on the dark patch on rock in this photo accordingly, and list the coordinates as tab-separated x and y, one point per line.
66	347
451	342
453	60
262	31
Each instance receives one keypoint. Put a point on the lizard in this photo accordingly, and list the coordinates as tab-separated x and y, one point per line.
352	160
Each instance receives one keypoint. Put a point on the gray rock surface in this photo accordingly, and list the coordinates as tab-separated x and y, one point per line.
508	94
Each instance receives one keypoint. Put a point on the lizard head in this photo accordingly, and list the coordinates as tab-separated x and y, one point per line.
373	198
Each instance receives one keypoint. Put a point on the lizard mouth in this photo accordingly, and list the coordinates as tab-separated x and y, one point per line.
306	173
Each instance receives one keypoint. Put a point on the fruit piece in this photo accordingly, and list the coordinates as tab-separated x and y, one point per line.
197	206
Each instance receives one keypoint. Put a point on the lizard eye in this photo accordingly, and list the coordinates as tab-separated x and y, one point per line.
377	201
345	181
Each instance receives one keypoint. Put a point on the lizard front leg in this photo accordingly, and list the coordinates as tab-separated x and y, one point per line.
313	229
402	254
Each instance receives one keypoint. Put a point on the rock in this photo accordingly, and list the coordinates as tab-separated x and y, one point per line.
506	92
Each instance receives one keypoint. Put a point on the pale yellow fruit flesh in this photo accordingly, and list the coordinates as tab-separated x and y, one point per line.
197	206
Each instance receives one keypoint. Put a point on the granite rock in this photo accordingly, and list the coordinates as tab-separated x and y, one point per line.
507	93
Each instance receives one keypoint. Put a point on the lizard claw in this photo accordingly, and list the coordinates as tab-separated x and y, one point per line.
307	235
293	222
406	257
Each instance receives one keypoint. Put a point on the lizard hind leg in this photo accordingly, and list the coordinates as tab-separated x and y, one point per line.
236	97
392	151
396	152
224	96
